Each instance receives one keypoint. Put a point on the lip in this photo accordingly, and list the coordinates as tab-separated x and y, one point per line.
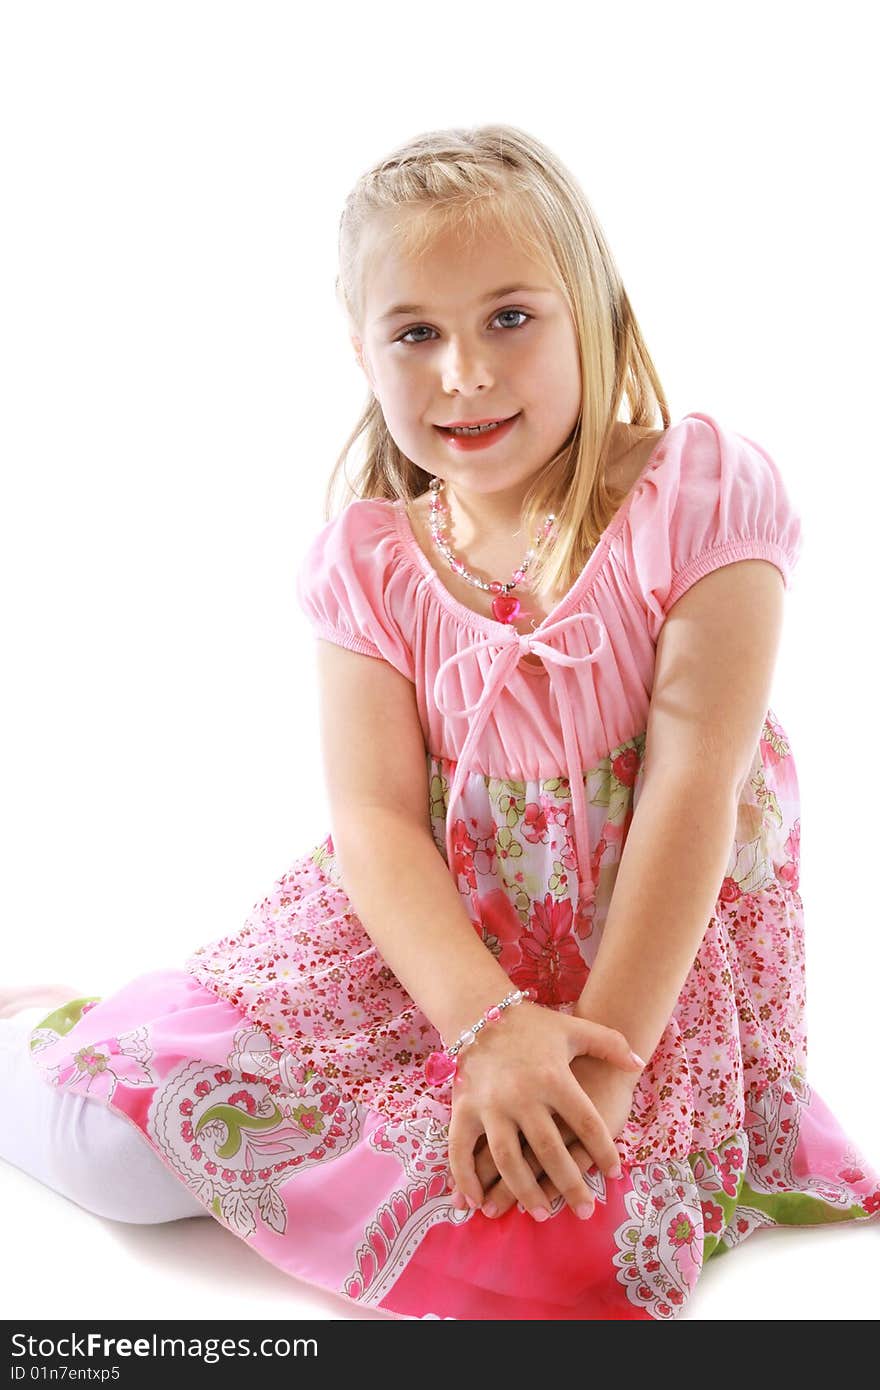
464	424
464	443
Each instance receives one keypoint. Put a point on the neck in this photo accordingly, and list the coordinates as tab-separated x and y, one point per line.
475	517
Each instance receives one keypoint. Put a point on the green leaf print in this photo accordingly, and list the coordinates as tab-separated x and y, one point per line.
62	1019
798	1208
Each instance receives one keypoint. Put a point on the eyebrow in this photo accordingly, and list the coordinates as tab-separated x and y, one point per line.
484	299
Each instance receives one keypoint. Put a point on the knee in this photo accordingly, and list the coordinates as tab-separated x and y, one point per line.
102	1161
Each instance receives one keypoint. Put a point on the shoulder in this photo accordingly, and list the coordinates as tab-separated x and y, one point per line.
712	495
347	582
354	540
706	472
361	518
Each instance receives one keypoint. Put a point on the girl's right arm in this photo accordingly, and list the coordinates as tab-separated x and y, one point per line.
405	897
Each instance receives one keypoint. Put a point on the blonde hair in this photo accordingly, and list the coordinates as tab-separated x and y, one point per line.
495	177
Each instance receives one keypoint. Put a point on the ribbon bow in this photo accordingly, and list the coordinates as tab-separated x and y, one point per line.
512	649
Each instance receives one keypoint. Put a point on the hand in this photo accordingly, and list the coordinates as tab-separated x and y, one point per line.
610	1090
515	1079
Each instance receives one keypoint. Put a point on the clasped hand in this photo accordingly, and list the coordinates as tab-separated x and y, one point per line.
531	1079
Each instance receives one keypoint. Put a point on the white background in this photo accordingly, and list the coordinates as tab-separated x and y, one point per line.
177	384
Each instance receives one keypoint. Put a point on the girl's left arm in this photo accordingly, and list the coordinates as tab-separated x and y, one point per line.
715	659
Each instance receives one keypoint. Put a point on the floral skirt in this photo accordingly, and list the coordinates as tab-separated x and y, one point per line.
333	1191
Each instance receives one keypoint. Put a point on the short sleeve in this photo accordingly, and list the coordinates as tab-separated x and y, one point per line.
342	585
712	497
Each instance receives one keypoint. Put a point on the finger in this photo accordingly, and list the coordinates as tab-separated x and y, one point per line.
607	1043
514	1171
464	1130
558	1166
499	1195
487	1170
579	1111
585	1165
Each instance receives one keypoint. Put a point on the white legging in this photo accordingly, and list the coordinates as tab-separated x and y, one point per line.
80	1147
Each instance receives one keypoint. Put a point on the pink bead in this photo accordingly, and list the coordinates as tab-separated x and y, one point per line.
493	1013
439	1068
505	608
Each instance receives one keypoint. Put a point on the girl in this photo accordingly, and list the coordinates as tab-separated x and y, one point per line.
565	827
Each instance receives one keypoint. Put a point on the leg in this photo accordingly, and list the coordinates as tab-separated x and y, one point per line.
80	1147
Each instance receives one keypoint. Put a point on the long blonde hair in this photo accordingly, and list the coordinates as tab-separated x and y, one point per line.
496	177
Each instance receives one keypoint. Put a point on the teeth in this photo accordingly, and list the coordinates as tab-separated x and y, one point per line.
476	429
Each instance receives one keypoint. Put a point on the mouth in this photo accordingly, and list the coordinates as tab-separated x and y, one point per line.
468	428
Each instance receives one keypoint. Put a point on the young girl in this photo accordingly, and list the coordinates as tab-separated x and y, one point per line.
565	828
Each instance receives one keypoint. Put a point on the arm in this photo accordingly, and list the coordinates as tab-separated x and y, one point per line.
713	673
402	891
397	880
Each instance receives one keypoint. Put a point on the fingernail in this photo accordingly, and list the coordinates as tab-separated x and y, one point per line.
540	1213
470	1201
490	1209
640	1061
584	1212
457	1200
616	1171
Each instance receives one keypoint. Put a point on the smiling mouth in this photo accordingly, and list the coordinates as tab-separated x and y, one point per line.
481	424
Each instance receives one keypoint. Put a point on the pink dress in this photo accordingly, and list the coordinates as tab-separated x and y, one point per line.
278	1072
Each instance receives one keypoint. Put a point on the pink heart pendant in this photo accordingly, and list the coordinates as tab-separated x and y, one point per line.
505	607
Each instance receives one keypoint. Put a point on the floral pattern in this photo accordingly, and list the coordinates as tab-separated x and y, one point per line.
307	1126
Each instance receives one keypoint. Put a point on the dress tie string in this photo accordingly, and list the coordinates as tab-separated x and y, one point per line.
511	651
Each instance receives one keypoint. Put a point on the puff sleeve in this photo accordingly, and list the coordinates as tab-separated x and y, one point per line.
713	497
343	584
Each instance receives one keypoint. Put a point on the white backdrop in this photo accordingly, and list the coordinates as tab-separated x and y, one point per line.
177	384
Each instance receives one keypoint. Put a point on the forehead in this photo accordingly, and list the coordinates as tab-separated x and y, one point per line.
409	264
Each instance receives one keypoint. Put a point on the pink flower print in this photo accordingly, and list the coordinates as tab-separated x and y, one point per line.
106	1063
730	890
239	1098
551	961
712	1218
625	766
309	1118
788	874
585	917
793	843
463	847
499	926
852	1174
534	824
554	813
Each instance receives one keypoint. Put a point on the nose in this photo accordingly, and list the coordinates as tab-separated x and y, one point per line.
465	370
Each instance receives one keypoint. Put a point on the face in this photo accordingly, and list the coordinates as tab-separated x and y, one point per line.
464	353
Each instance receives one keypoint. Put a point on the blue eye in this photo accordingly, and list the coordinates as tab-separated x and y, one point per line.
414	343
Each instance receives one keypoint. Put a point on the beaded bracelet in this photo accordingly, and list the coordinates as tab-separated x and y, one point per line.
440	1066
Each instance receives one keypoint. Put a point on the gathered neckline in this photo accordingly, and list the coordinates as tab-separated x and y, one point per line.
491	626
